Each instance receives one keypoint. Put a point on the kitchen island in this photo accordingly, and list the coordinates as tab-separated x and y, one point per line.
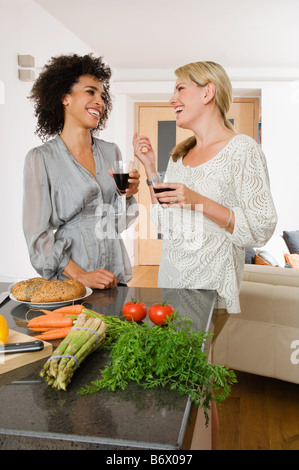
36	416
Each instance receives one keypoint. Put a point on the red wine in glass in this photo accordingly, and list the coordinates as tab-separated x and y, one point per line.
161	190
160	177
121	181
121	170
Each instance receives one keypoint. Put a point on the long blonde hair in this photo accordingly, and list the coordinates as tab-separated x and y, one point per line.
203	73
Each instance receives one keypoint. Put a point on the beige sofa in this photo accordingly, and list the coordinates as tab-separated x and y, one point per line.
264	338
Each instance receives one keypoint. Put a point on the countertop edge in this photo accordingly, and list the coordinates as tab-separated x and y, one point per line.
87	439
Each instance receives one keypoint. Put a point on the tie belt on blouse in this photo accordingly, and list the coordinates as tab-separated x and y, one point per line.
87	214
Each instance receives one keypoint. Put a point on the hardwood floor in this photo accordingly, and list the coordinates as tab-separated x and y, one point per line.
260	414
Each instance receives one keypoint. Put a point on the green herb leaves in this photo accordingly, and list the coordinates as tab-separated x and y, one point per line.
160	356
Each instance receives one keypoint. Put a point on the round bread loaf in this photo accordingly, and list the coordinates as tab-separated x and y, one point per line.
58	291
23	290
39	290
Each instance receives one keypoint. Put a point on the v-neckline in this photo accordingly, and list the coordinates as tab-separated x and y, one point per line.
78	163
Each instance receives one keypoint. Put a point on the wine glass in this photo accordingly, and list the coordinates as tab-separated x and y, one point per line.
160	177
121	170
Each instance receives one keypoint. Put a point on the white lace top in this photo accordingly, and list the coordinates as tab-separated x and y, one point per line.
196	252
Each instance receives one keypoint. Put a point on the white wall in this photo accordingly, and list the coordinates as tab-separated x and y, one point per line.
27	29
280	114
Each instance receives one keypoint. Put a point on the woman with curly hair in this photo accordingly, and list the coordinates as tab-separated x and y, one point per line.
70	200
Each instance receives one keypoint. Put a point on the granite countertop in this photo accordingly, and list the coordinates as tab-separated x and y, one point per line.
36	416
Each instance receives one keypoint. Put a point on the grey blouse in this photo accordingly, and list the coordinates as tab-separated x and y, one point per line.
69	214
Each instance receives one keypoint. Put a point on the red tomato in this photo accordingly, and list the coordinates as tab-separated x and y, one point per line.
134	311
158	313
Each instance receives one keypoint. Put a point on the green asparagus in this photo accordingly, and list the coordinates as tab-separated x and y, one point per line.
85	337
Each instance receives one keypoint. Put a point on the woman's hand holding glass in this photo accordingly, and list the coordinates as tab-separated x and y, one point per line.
177	195
132	182
180	194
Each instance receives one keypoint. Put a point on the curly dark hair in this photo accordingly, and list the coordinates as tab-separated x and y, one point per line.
56	80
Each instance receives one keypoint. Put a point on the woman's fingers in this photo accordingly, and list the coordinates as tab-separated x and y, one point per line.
168	197
143	150
134	180
106	278
165	198
134	177
178	196
99	279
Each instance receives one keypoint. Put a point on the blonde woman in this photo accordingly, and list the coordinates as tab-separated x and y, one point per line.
220	201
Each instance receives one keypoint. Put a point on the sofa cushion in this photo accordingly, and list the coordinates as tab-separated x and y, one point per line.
269	303
292	241
292	260
249	255
277	247
271	275
260	261
265	258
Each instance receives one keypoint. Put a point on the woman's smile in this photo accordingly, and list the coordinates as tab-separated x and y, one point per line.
178	109
94	113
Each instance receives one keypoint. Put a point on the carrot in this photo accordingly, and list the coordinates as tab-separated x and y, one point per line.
46	312
49	312
54	333
54	315
49	321
45	318
41	329
74	309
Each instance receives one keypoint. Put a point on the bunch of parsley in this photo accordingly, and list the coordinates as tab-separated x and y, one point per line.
160	356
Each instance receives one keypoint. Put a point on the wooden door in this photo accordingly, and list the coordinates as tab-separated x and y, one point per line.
157	121
244	115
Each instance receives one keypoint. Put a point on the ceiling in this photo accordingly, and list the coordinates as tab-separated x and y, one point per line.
164	34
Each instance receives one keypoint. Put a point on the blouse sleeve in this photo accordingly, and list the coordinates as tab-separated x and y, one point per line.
255	214
48	257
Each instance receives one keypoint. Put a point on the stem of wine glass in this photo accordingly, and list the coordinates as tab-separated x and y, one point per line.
123	204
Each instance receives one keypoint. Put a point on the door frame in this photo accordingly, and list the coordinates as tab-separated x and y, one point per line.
257	114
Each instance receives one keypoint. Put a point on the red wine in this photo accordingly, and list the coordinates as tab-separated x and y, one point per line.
161	190
121	180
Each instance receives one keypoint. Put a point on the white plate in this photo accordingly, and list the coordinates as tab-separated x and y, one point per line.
51	304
